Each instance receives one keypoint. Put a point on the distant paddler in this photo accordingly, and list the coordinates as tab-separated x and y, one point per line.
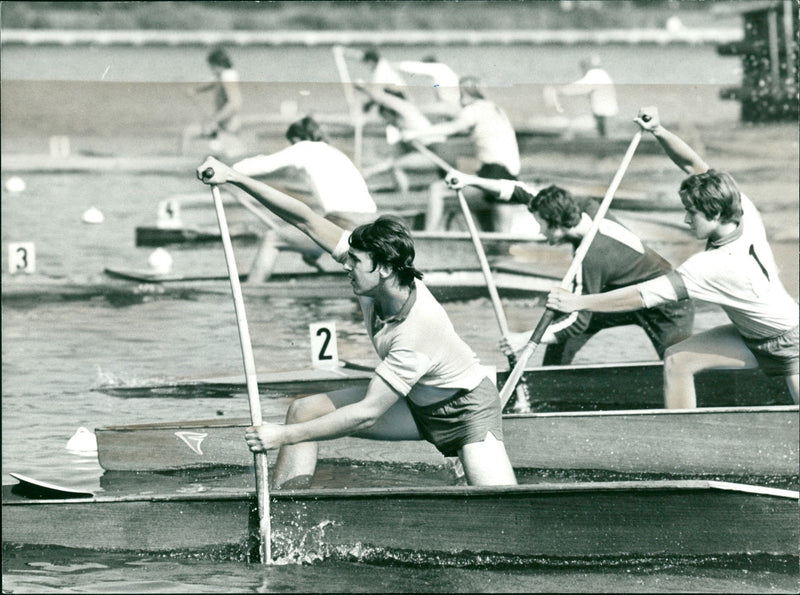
401	116
597	84
495	144
223	125
338	191
736	271
429	384
616	258
381	70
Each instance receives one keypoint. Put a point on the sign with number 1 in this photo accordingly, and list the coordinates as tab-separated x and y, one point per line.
21	258
324	353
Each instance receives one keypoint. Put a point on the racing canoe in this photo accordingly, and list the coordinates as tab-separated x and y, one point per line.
525	522
738	442
614	386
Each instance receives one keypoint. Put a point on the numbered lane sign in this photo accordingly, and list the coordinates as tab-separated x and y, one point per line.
324	353
169	214
21	258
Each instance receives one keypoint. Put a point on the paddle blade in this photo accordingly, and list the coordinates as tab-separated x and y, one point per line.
544	322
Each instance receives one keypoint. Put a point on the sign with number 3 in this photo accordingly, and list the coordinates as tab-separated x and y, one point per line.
324	353
21	258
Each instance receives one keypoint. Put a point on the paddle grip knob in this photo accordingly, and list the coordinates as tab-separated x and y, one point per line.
208	173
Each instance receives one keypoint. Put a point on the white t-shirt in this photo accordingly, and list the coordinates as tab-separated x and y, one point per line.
335	182
493	135
598	85
422	356
385	75
739	274
445	81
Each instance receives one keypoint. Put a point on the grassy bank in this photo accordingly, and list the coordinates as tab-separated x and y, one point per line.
362	15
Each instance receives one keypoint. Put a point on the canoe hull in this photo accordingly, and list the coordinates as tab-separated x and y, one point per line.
550	521
739	442
552	388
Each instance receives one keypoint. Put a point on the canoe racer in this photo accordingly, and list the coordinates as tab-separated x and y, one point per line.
495	145
737	271
337	187
429	384
616	258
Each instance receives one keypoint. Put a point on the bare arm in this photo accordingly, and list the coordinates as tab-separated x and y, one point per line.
454	126
675	147
624	299
341	422
291	210
457	180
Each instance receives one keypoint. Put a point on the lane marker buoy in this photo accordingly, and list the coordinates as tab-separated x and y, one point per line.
82	441
160	261
15	184
93	215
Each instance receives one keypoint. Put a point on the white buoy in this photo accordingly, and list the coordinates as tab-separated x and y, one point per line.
160	261
15	184
674	25
93	215
82	441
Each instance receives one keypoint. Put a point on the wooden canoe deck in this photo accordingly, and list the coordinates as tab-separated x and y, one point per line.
130	285
616	386
734	442
563	521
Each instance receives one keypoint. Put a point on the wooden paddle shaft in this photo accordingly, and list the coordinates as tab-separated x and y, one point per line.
430	155
502	322
577	262
261	471
476	242
355	109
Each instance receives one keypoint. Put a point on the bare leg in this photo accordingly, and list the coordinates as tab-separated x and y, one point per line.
718	348
378	168
435	212
486	463
297	462
794	387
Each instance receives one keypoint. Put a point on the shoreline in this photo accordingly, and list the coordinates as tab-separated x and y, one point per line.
136	37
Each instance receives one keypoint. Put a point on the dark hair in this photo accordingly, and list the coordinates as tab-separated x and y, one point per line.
371	55
306	129
713	193
388	241
470	85
219	57
556	206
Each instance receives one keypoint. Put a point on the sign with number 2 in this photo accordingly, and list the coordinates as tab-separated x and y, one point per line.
324	353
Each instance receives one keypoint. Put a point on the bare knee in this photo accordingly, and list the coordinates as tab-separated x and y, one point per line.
307	408
678	361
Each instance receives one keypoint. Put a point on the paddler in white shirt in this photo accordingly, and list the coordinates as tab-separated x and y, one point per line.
737	271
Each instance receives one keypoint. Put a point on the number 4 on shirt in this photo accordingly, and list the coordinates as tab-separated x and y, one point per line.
324	353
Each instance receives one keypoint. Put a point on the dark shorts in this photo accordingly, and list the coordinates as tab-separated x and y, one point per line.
777	356
495	171
665	325
464	418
